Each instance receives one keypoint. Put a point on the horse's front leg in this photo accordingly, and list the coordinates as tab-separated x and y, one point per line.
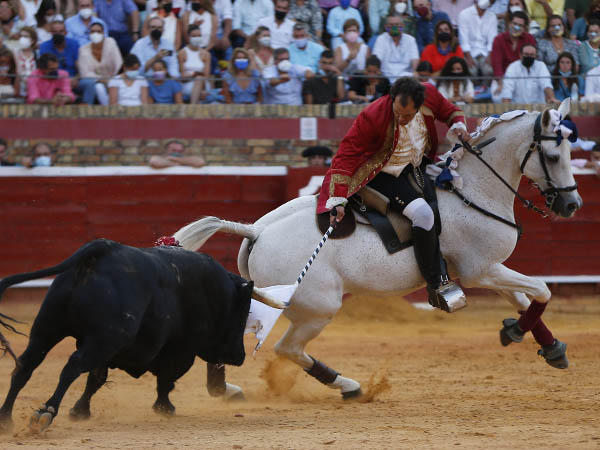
515	286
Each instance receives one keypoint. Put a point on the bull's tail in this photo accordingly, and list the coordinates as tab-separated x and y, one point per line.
194	235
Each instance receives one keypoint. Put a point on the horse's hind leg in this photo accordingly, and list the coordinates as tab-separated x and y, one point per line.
96	379
292	344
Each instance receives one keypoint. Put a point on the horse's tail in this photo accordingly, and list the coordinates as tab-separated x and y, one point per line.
194	235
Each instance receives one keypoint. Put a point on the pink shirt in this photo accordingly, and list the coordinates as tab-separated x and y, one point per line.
47	88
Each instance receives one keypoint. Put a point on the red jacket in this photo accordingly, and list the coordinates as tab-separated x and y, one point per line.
371	140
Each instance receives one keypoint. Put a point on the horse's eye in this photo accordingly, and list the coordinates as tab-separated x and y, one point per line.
553	158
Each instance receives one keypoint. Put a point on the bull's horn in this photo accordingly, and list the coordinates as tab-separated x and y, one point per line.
271	297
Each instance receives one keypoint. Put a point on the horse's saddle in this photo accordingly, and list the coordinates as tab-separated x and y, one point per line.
372	208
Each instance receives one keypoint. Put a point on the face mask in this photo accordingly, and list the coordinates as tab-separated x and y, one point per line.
280	15
593	37
86	13
24	42
241	63
50	19
483	4
301	43
155	35
516	30
167	7
444	37
457	75
284	66
42	161
52	74
131	74
422	11
351	36
344	4
265	41
394	30
58	39
527	61
4	69
400	7
514	9
565	74
556	30
96	37
196	41
160	75
196	7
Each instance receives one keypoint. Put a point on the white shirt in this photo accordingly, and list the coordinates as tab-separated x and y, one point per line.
128	95
224	11
246	14
288	93
476	34
527	89
281	35
30	8
592	82
446	88
396	59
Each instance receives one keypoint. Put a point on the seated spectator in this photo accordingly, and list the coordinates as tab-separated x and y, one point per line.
241	83
454	83
4	161
259	47
336	19
246	14
161	88
9	21
452	8
445	46
9	83
527	81
565	79
327	86
78	26
281	27
171	31
283	81
100	60
424	72
579	27
49	85
129	88
592	85
404	9
42	155
175	155
351	56
194	65
589	51
304	52
153	47
203	15
427	19
123	21
477	28
554	43
396	50
370	85
307	13
46	14
377	11
541	10
317	156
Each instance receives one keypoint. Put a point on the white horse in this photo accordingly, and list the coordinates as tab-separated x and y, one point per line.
474	245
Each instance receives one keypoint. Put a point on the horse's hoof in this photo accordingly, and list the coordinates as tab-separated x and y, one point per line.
77	414
555	354
352	394
511	332
6	425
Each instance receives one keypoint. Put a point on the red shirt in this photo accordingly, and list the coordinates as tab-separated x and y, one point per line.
47	88
437	60
503	53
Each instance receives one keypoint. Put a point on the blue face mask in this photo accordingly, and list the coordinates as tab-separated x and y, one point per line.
565	74
241	64
344	3
42	161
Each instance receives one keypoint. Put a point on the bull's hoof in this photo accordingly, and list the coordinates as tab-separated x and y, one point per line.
352	394
77	414
41	419
555	354
233	393
164	409
237	397
511	332
6	424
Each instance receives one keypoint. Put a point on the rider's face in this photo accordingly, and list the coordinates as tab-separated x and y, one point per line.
404	113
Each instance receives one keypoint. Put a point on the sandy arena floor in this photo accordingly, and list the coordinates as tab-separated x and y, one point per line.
433	380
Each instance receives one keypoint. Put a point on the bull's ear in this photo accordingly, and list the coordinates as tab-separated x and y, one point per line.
565	107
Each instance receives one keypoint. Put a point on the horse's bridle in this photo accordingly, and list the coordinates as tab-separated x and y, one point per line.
552	191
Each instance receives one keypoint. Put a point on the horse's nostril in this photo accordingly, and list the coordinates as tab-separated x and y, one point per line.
572	206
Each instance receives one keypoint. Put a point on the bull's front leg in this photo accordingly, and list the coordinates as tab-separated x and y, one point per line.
96	379
217	386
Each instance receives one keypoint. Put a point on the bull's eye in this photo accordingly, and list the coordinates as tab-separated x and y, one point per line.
553	158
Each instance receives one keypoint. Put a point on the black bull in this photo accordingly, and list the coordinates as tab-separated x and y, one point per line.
152	309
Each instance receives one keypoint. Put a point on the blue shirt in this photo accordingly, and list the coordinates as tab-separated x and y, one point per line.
564	92
309	56
424	28
115	13
338	15
67	58
144	50
79	31
165	92
240	95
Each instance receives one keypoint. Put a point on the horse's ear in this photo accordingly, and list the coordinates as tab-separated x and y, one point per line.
565	107
545	119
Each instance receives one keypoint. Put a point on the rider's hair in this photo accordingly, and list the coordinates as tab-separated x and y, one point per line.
408	88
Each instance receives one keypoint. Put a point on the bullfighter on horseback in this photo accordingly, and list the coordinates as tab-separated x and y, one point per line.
387	147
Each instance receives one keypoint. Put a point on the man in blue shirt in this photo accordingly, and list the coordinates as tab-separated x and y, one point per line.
304	52
154	48
119	16
78	26
426	21
336	19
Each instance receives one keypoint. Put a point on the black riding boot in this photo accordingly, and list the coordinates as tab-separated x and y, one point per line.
442	293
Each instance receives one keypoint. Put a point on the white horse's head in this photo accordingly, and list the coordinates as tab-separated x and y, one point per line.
548	163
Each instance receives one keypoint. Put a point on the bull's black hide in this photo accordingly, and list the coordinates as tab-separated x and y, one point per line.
152	309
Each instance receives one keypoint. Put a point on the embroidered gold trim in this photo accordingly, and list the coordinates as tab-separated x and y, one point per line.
453	115
336	178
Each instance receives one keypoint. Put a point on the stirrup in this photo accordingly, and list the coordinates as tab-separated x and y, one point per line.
448	297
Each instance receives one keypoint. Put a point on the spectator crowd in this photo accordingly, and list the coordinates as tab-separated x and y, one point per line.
136	52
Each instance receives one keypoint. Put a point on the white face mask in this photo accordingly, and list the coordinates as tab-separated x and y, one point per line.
265	41
284	66
96	37
43	161
86	13
400	7
514	9
24	42
196	41
483	4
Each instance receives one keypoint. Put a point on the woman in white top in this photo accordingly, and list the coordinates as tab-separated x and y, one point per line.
47	13
351	56
129	89
171	24
259	48
100	59
456	87
202	14
25	57
194	66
